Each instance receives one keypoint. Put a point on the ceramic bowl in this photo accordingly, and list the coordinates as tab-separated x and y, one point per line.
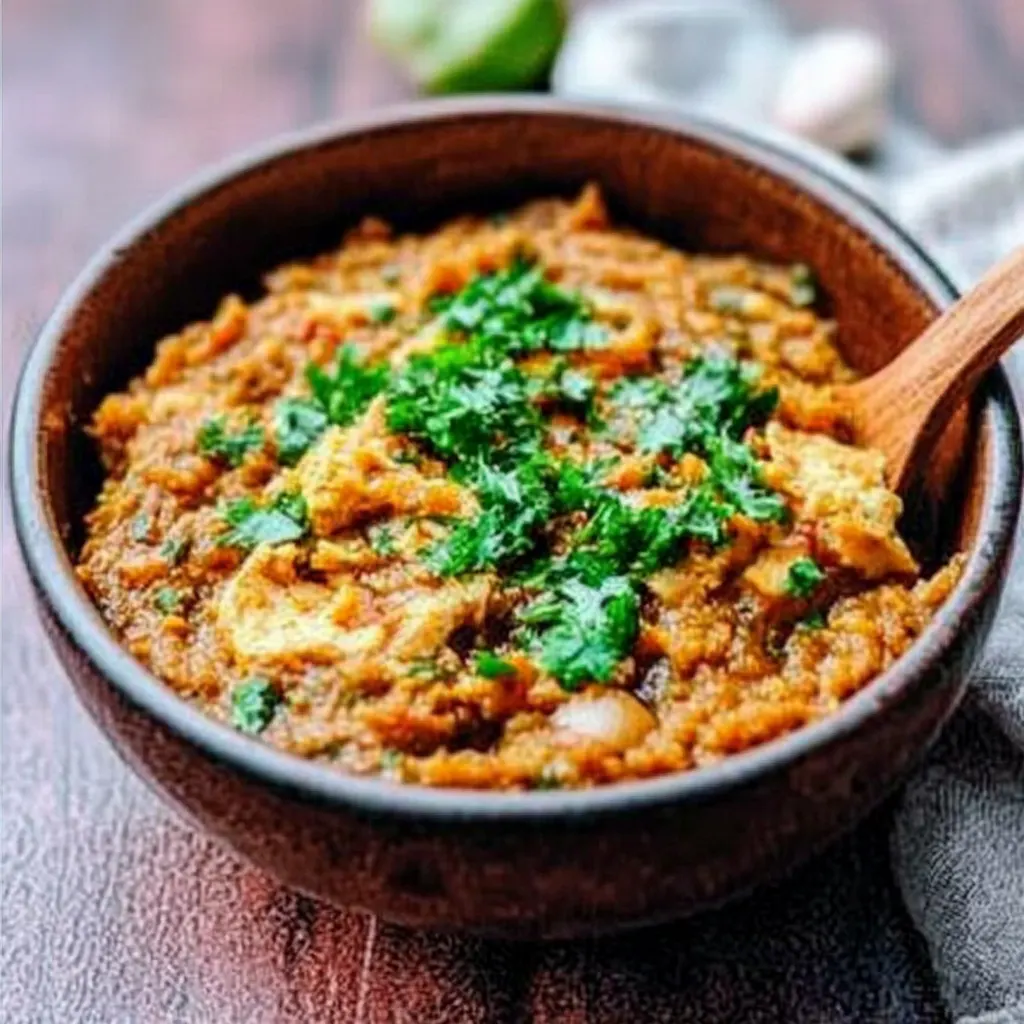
515	864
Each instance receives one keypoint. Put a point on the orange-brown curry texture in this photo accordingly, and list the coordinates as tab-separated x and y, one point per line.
370	651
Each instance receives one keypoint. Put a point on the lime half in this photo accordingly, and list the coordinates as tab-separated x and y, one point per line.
470	45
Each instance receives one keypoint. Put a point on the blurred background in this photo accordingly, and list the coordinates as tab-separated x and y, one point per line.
107	104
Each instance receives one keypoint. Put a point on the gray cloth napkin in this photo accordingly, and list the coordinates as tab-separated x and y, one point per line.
958	837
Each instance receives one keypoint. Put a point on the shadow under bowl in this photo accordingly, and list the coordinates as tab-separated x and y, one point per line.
514	864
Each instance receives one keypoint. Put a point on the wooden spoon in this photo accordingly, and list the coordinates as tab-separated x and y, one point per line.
903	408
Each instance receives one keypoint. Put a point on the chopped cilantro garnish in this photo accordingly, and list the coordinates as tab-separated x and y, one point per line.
802	288
382	541
345	391
816	620
285	519
804	577
516	505
583	631
490	666
382	312
736	476
391	760
216	441
518	311
140	527
426	667
173	549
253	704
468	403
570	389
547	779
714	397
167	600
298	423
464	401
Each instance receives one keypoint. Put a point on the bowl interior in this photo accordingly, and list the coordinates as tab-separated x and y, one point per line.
698	187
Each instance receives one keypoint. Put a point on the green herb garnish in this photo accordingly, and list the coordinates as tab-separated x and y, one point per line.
468	403
581	631
298	423
490	666
217	442
516	505
802	287
465	402
382	312
518	311
253	704
714	397
803	578
167	600
344	392
285	519
140	528
382	541
173	549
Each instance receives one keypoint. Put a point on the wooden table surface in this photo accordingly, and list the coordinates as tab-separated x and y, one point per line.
113	911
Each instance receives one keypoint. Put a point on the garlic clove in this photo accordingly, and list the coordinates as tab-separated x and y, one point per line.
615	718
834	90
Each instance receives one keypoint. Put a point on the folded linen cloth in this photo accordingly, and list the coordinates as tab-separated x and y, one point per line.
958	836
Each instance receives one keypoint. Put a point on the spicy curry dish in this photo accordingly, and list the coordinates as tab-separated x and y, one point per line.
527	502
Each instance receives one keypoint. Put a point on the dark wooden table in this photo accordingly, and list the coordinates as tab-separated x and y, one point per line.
112	910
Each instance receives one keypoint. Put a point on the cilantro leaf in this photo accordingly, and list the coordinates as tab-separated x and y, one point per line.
140	528
173	549
217	442
803	289
298	423
715	397
736	476
804	577
382	312
167	600
253	704
285	519
490	666
382	541
345	391
583	631
464	402
518	311
516	505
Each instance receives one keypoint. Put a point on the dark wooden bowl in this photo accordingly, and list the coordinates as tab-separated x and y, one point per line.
531	864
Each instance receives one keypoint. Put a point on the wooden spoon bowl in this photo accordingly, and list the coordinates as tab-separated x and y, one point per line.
903	409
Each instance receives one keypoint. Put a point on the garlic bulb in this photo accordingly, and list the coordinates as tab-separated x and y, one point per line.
834	90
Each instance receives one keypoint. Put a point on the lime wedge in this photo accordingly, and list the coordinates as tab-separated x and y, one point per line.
470	45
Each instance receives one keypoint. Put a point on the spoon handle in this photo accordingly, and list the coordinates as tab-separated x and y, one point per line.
904	407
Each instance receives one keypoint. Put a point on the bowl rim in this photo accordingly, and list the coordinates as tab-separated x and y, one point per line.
827	182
